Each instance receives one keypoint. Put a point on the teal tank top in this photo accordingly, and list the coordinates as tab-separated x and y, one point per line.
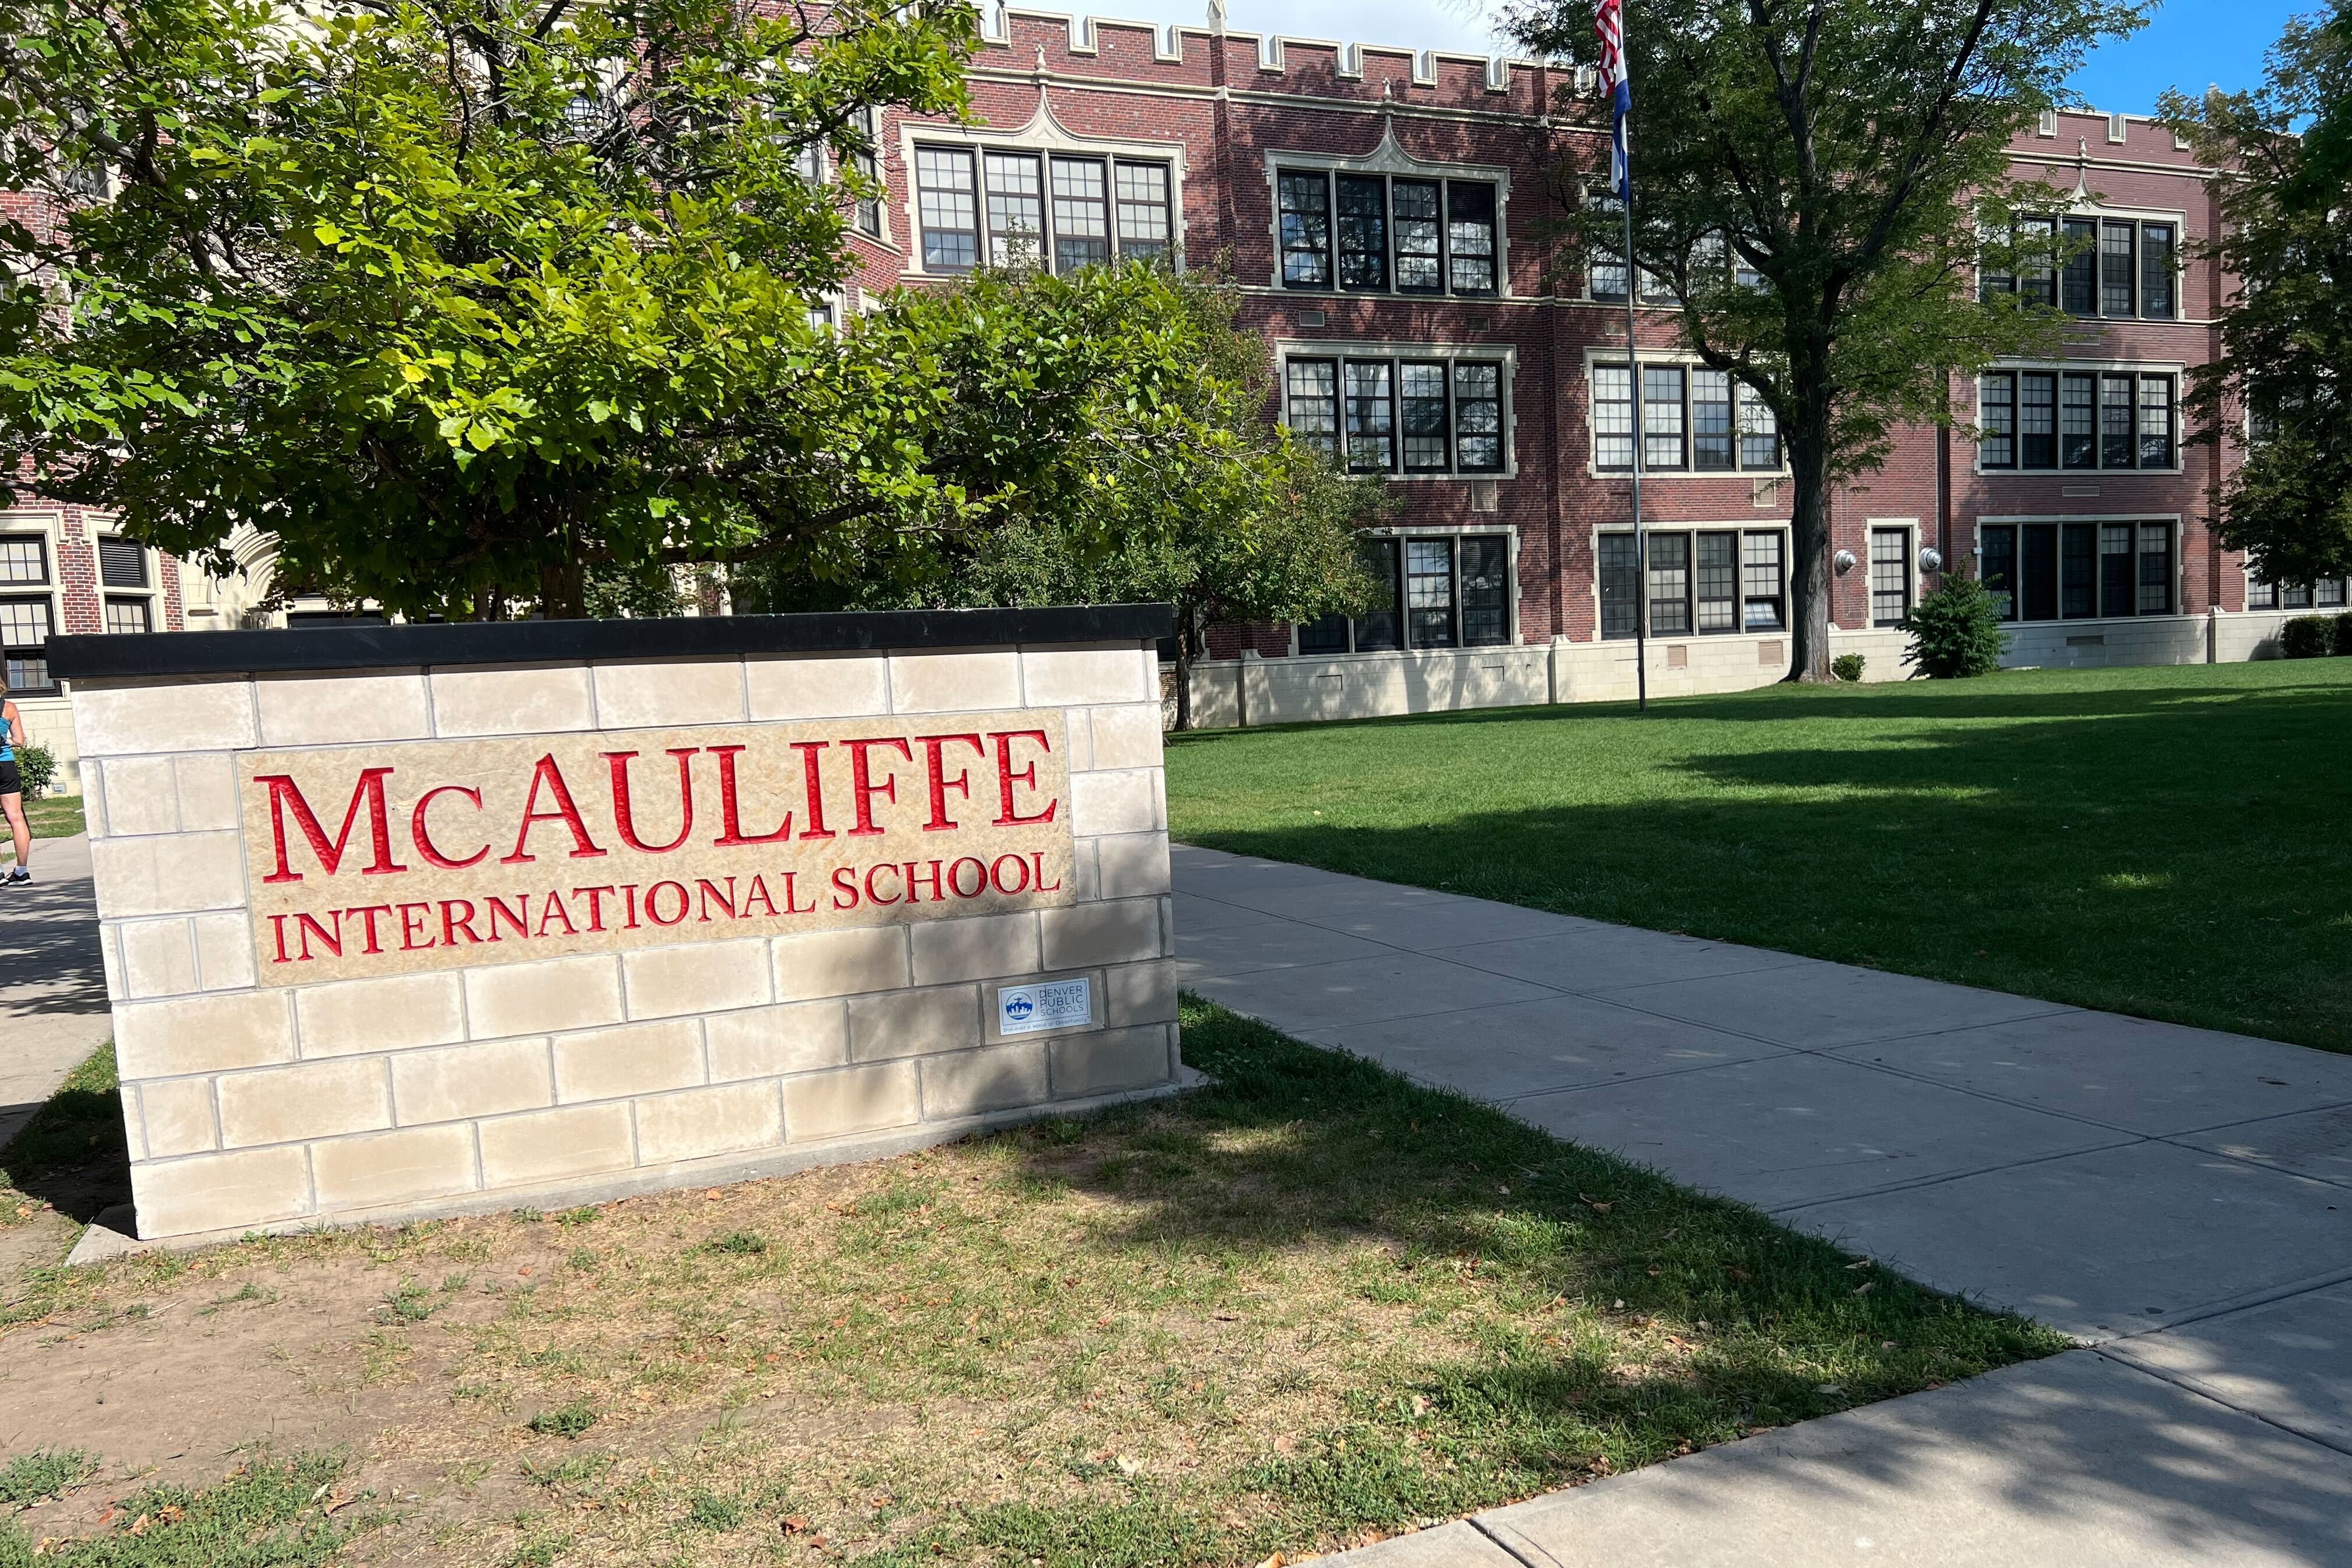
7	740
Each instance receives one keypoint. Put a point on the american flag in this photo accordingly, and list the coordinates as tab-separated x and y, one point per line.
1608	26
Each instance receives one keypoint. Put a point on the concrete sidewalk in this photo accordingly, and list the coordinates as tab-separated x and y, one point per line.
2181	1200
53	1010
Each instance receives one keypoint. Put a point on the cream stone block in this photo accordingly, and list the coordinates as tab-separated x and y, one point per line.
1077	739
854	1100
970	1082
664	982
184	716
836	686
206	783
394	1167
323	1100
1065	677
551	1145
913	1023
109	961
706	1121
224	952
143	795
332	710
490	1079
528	699
1141	993
1108	1062
1113	803
221	1191
346	1016
840	962
1086	880
639	1059
768	1042
952	682
1122	930
1133	865
158	958
176	1116
175	874
203	1034
639	695
979	947
1125	737
541	997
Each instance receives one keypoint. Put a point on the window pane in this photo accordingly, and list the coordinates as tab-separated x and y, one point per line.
1669	584
2156	270
1478	418
2078	562
24	558
1759	432
1718	590
870	212
1485	589
2116	418
2259	595
2037	420
2037	572
1890	575
1378	629
1997	420
1363	232
2039	284
2156	422
2294	597
2118	262
1305	230
1616	564
1661	416
1419	255
1421	388
1470	235
24	623
27	671
127	615
1145	226
1762	583
1429	592
1081	214
2079	280
1992	279
1710	420
1327	634
1371	430
2327	593
1313	395
1015	195
1999	568
2115	590
1612	419
2078	421
943	201
2154	569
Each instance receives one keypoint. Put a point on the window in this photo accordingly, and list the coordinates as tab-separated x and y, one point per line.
2118	267
1890	575
1382	233
23	560
1704	582
868	213
121	562
1036	210
127	615
2156	266
1407	416
2074	571
2327	593
25	636
1694	419
2078	280
1453	592
2036	420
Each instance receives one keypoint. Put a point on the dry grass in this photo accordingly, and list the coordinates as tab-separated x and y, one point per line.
1300	1309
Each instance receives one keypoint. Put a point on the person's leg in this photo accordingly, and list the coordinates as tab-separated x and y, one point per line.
18	830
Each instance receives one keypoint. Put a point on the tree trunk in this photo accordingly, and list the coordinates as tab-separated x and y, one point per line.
1184	635
1808	526
563	590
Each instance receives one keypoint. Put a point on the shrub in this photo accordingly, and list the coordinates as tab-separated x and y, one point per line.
1955	630
1847	667
569	1421
2343	635
38	764
2306	637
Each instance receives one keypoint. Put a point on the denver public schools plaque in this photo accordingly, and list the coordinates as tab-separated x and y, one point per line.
370	860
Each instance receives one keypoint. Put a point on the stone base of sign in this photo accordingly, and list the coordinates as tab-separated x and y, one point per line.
415	1065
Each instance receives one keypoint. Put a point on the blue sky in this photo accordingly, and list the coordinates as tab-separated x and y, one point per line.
2189	44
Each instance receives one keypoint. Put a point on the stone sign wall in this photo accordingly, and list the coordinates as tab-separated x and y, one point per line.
407	933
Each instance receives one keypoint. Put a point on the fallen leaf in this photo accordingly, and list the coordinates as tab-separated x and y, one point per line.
1737	1272
713	1196
1864	1288
795	1524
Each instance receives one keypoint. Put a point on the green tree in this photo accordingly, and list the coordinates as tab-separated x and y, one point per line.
466	301
1146	469
2286	335
1844	154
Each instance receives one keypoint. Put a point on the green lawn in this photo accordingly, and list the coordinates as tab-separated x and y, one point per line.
54	816
2170	842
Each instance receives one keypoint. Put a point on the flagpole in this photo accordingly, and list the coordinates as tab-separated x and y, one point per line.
1633	378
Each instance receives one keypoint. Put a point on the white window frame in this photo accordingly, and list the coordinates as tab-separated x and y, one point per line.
49	526
1871	528
2097	213
1456	533
1287	349
1388	158
2172	520
1661	360
2177	370
1742	526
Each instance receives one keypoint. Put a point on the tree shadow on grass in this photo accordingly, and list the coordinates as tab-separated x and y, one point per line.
73	1154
